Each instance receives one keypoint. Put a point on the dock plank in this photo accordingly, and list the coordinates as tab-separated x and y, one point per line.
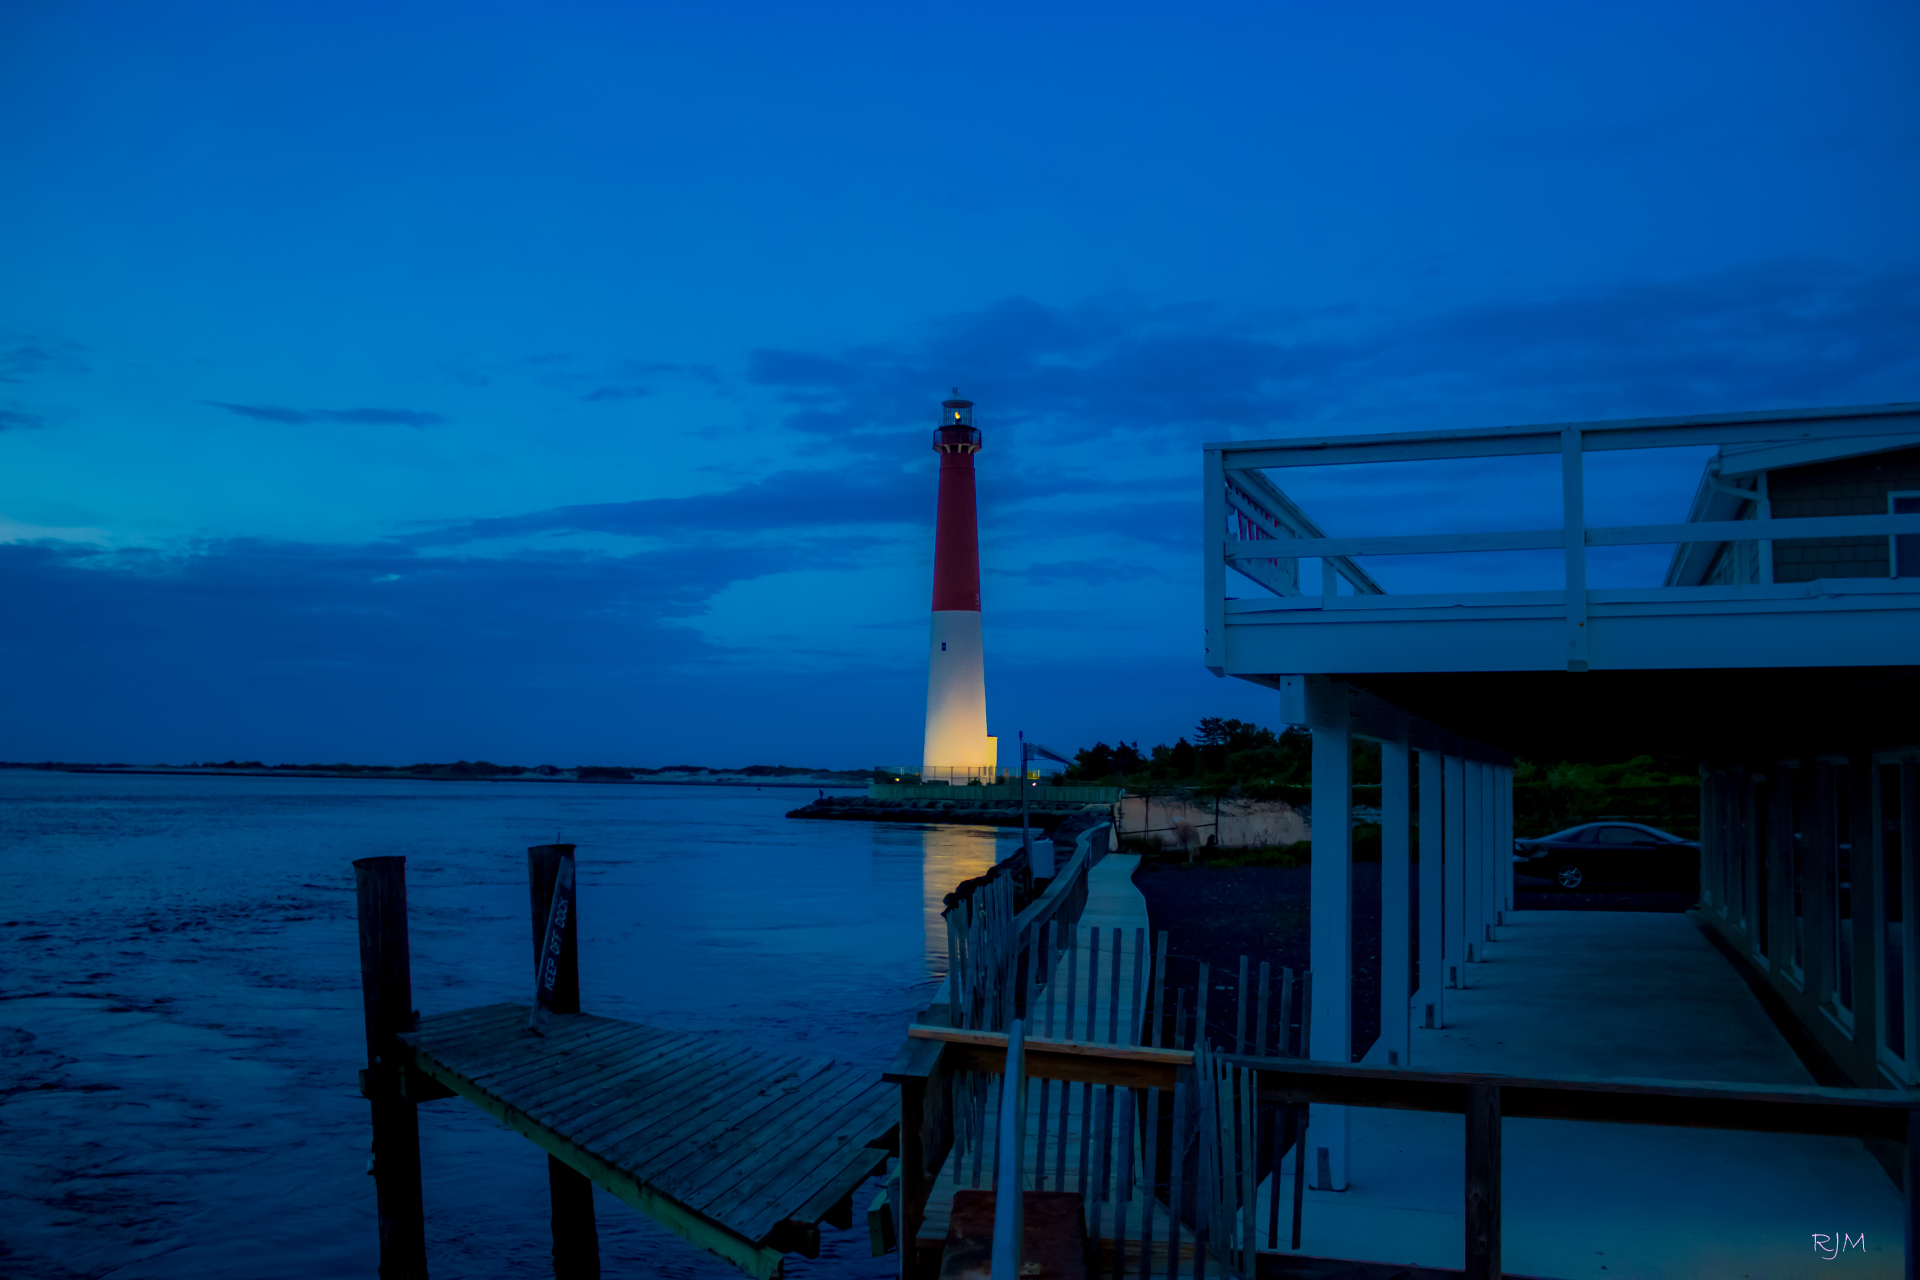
710	1157
699	1107
754	1155
537	1068
588	1072
818	1158
603	1116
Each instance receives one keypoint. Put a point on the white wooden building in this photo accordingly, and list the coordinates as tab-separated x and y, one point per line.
1782	651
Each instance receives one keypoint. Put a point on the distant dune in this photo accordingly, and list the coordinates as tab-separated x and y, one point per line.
757	775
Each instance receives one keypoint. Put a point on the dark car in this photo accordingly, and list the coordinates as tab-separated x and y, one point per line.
1610	853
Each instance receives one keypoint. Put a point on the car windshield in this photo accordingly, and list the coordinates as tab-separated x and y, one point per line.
1582	833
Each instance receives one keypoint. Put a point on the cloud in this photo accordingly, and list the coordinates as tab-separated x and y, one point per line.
367	417
25	356
633	379
1779	334
811	500
374	648
14	419
300	605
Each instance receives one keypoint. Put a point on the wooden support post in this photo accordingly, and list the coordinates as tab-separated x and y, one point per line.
576	1240
1913	1194
1483	1181
1330	927
1396	933
1473	865
1433	974
386	987
1505	811
928	1107
1453	861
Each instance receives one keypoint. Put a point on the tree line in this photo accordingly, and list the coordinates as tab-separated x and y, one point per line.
1236	758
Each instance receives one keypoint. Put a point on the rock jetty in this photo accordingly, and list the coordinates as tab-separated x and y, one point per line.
1044	816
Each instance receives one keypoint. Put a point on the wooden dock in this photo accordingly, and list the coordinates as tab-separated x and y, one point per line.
740	1152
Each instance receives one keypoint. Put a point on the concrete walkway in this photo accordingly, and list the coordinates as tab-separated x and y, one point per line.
1565	993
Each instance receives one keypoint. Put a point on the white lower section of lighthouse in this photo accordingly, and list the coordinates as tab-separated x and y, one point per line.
957	696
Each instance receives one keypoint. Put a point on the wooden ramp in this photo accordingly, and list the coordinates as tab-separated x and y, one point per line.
1093	994
739	1151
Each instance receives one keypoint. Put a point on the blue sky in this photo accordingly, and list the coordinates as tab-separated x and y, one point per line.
411	382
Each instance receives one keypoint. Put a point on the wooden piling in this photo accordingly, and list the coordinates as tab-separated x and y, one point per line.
576	1240
1483	1181
386	987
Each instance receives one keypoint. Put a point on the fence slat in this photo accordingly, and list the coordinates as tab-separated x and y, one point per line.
1123	1191
1282	1135
1260	1022
1300	1117
1240	1011
1150	1169
1159	988
1285	1037
1249	1168
1138	1002
1176	1171
1200	1007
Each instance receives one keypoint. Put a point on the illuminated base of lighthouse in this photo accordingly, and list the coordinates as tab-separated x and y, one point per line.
957	698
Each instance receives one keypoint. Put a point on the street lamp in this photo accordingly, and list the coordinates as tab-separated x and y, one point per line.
1029	750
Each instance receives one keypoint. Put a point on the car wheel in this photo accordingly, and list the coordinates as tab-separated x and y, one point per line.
1568	876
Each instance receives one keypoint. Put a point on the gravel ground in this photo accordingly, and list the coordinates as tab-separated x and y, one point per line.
1218	914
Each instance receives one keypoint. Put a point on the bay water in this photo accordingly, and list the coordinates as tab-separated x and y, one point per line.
180	1016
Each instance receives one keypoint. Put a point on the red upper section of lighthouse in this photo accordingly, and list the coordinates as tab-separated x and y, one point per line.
956	541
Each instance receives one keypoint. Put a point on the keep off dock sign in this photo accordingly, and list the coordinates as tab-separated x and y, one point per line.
559	911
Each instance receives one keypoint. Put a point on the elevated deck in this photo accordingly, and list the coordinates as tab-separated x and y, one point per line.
1617	995
740	1151
1750	621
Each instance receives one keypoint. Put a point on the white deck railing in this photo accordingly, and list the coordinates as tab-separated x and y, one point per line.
1255	529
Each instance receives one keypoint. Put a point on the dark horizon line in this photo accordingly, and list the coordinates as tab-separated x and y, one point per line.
461	770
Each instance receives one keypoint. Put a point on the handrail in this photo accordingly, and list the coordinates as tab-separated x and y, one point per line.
1624	433
1272	562
1785	529
1687	1104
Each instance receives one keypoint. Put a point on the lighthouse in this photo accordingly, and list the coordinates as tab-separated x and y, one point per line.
957	746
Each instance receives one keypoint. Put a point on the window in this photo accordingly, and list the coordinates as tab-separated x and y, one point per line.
1893	937
1733	848
1906	546
1791	781
1840	890
1619	835
1759	827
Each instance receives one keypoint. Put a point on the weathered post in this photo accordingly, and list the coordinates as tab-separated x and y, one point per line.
1483	1182
386	988
576	1241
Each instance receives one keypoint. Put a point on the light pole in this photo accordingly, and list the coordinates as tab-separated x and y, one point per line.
1029	750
